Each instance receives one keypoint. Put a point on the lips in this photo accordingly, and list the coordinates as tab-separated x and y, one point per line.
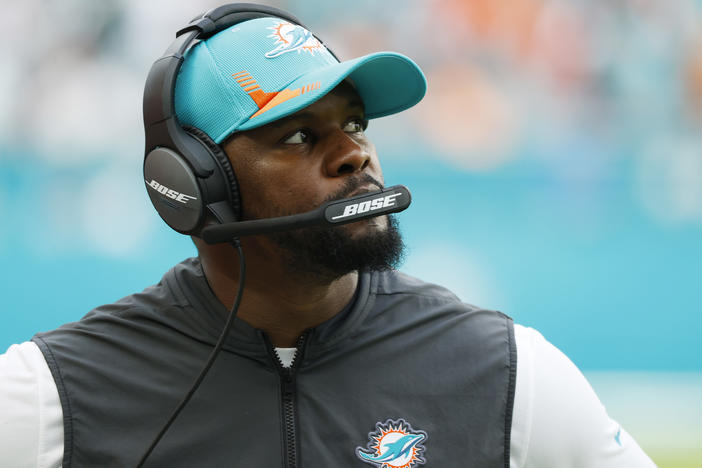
363	190
359	185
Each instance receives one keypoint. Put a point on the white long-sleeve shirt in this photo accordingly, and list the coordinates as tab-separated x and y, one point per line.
558	421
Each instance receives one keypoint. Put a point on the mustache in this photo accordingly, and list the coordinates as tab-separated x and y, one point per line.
352	184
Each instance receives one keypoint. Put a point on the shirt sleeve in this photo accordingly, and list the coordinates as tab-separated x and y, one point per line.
558	421
31	418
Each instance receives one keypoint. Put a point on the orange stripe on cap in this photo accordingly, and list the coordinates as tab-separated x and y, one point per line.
260	97
279	98
266	101
310	87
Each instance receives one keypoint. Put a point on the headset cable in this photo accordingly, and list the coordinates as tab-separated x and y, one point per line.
210	360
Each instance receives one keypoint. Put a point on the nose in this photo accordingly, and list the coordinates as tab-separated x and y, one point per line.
344	155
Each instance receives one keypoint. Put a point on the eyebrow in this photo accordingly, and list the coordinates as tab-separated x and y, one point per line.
356	102
306	115
297	116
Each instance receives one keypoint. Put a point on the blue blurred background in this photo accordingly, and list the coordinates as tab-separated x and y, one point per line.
555	166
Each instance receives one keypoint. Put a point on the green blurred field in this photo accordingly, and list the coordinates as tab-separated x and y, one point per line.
661	411
691	460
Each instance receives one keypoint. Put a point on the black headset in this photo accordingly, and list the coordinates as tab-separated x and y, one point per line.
188	176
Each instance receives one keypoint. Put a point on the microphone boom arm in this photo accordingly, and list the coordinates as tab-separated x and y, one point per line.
337	212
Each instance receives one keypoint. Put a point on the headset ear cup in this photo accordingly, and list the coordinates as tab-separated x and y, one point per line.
224	164
174	189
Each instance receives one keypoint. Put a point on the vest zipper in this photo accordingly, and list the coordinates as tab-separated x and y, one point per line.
289	416
288	396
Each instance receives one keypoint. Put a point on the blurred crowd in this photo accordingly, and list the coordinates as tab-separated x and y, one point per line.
583	92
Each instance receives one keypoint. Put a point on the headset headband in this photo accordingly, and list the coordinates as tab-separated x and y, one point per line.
188	175
160	121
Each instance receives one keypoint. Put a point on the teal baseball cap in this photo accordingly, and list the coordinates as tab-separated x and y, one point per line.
265	69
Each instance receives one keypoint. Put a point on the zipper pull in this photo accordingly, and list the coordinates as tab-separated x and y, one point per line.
288	382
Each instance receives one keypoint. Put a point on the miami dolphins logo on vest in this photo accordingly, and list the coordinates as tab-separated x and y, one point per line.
394	444
290	38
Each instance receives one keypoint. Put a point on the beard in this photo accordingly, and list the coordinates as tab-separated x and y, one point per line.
326	253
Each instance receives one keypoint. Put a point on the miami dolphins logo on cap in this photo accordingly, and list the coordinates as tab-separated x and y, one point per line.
394	444
292	37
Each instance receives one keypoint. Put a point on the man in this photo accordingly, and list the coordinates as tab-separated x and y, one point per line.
336	359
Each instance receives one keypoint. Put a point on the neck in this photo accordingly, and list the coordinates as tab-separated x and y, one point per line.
280	304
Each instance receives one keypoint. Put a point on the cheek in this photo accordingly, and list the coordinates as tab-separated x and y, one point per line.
269	190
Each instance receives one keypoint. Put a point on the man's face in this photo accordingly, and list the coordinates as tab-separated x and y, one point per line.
296	164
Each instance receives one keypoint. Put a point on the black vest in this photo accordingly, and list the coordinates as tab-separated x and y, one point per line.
407	375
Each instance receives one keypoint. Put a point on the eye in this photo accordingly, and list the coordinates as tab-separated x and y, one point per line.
355	125
297	138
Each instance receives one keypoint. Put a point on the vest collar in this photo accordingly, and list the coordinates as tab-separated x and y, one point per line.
203	316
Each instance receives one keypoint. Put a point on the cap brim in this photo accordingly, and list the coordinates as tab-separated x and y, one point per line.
387	82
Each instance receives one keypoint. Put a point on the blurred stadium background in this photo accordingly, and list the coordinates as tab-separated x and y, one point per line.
555	164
